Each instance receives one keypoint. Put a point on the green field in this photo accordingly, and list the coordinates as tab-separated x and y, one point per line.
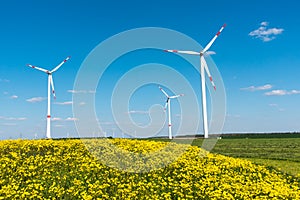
280	151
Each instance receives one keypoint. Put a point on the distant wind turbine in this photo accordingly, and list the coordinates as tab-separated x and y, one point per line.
203	66
168	104
50	82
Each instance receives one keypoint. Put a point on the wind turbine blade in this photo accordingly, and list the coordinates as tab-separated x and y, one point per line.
203	63
163	92
214	38
52	86
38	68
58	66
176	96
183	52
166	104
208	53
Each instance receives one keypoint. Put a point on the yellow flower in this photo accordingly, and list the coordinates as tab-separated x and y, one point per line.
85	169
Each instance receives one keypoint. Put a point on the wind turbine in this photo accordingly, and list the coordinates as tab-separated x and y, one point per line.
203	66
50	82
168	103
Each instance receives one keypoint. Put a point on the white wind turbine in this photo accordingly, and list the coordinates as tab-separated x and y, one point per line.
168	103
50	82
203	66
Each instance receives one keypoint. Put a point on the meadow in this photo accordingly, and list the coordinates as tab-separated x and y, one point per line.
280	151
66	169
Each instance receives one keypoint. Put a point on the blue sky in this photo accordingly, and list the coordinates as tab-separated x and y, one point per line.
257	55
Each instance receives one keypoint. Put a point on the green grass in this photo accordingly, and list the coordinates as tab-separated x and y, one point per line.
274	148
289	167
279	151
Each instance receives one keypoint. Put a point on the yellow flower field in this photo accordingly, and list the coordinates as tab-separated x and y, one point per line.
65	169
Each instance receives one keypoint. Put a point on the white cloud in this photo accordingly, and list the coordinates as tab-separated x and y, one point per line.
276	93
64	103
282	92
9	124
56	119
19	119
71	119
264	23
266	34
58	125
258	88
13	118
82	103
178	115
273	105
74	91
36	99
138	112
294	92
13	97
81	91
